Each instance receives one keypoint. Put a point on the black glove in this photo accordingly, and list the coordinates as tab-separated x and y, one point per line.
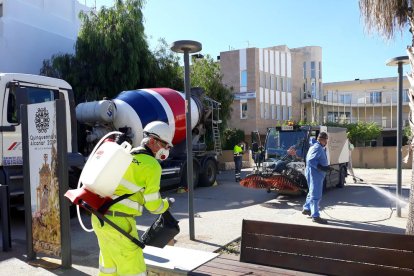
122	138
324	168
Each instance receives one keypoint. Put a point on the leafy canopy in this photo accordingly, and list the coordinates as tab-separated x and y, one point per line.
205	73
112	49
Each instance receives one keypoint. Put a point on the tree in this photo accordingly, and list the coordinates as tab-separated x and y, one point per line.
113	51
231	137
361	132
169	73
67	67
407	135
205	73
386	17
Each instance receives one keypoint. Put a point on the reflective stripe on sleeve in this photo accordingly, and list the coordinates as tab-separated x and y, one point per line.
152	197
159	208
107	270
130	186
130	203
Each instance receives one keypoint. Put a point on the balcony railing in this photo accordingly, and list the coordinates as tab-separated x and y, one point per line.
385	123
357	98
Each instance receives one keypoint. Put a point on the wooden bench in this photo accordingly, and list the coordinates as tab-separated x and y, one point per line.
229	265
326	250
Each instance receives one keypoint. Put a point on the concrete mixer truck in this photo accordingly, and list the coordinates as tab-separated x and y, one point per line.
131	111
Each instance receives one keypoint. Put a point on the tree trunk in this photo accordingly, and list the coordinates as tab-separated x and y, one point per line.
409	230
410	220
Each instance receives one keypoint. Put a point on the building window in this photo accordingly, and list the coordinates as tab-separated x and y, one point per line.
375	97
313	92
285	113
339	117
289	112
320	70
267	81
313	69
289	85
345	99
243	110
405	96
243	78
305	92
273	111
282	84
277	84
262	79
262	110
278	113
304	70
267	111
272	82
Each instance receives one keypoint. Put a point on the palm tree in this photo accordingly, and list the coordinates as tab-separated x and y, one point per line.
386	17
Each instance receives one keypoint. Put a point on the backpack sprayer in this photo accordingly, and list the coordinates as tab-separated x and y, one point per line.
100	177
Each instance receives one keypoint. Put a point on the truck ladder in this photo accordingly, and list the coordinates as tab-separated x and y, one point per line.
215	122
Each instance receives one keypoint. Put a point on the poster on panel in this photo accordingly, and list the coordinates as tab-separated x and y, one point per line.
44	188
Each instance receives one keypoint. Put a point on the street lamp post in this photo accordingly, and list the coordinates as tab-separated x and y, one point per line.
186	47
399	61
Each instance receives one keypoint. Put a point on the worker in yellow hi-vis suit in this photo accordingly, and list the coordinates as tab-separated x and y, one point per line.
238	152
119	255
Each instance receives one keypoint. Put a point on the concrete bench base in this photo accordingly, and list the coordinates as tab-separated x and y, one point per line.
172	260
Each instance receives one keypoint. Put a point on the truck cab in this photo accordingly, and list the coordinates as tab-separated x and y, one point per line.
20	89
280	139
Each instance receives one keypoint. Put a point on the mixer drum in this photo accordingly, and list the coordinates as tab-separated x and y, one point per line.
137	108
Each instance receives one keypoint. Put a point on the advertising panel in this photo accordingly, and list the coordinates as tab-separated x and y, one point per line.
44	188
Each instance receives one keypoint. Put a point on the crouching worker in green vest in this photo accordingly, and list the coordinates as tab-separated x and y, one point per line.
119	255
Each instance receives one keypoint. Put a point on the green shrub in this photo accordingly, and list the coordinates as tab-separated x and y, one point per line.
231	137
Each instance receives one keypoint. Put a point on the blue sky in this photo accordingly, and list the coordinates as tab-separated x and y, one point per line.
348	52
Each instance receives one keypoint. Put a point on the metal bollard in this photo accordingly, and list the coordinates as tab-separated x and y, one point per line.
5	217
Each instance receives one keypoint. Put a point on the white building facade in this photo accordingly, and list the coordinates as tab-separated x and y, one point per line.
34	30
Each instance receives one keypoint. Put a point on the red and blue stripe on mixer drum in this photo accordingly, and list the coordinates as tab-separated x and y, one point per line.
140	107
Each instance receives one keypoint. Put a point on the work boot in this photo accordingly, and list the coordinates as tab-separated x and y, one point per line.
319	220
306	212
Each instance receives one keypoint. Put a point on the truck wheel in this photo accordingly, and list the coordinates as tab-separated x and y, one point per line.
210	173
196	171
342	175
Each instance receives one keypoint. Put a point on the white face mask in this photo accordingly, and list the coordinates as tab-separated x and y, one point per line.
162	154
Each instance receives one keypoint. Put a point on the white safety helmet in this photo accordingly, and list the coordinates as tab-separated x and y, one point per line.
159	130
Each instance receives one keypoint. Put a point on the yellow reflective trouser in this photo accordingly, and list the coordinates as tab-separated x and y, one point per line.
118	255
